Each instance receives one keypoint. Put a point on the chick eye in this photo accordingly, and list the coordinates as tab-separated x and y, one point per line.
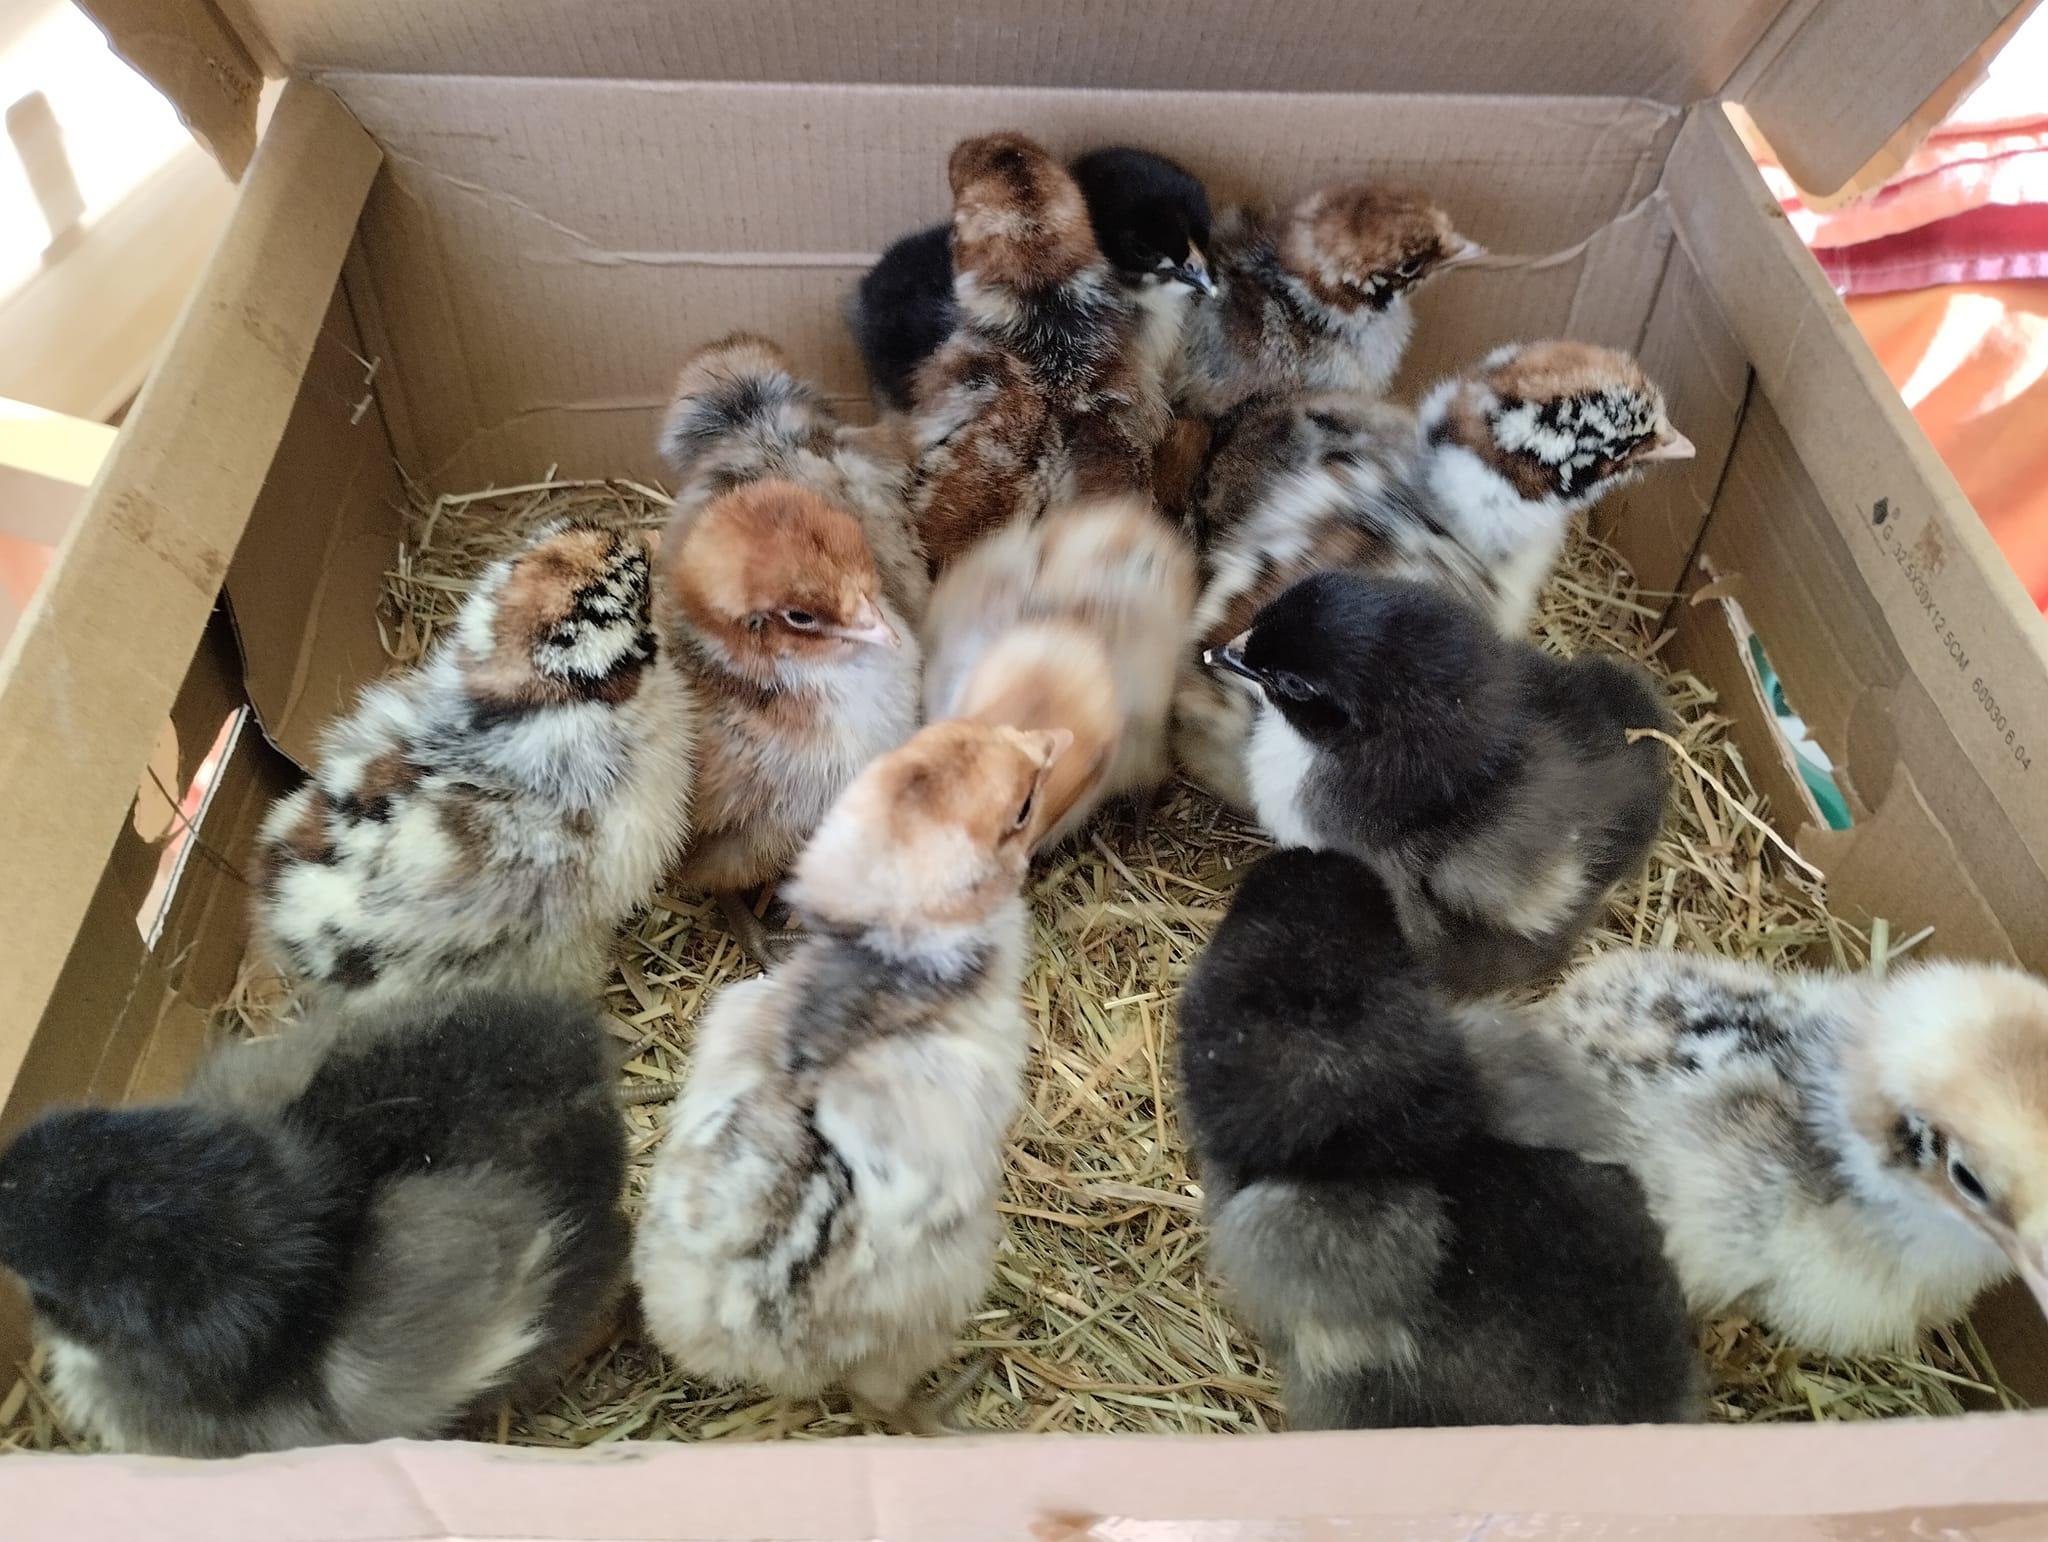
800	620
1024	814
1410	268
1293	687
1968	1184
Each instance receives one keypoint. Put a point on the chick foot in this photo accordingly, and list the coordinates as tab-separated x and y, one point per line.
926	1417
764	947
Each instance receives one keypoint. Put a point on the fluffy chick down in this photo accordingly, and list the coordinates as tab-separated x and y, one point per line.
740	414
822	1211
1041	394
489	818
1495	789
1317	300
1077	623
781	620
1406	1263
1847	1158
367	1228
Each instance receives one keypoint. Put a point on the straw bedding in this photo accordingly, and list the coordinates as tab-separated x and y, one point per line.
1100	1316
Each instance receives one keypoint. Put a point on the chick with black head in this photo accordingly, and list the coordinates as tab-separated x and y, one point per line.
1151	220
1496	790
1407	1264
366	1228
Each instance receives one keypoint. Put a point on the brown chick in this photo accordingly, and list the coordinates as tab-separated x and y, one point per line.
1076	622
1039	396
740	414
804	672
1317	301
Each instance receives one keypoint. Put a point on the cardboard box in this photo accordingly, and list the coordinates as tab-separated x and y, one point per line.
473	243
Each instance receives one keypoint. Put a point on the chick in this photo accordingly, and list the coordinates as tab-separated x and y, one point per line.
1046	390
1493	788
368	1228
740	414
1150	216
489	818
1076	623
1535	433
803	668
1316	301
822	1212
1848	1158
1300	484
1407	1264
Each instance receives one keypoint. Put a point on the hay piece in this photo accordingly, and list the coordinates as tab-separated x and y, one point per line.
1100	1316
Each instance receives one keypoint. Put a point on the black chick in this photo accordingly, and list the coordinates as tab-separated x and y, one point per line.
365	1228
1151	220
1406	1264
1494	788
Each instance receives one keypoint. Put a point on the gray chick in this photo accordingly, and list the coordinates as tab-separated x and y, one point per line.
1494	788
1406	1263
366	1228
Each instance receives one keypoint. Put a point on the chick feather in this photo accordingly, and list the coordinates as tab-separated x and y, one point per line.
1850	1159
1040	395
364	1229
1075	622
489	818
1406	1264
1495	789
822	1210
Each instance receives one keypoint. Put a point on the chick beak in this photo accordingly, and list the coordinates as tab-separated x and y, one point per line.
1230	657
869	626
1459	255
1670	445
1194	273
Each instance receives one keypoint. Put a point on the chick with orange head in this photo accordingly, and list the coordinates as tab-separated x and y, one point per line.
1849	1159
1075	622
803	668
1052	384
1316	300
741	414
822	1211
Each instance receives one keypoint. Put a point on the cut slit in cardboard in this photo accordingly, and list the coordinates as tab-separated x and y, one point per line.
479	235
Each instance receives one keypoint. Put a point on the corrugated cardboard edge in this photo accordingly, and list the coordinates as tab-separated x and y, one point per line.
90	675
1963	623
189	51
1833	83
1980	1476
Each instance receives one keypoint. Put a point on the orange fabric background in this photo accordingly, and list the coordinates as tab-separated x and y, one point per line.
1970	360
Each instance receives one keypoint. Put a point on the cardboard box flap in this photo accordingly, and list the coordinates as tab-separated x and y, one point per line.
1836	81
1830	81
188	51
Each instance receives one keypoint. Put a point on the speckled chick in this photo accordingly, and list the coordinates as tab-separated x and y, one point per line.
1493	788
489	818
822	1211
1534	434
1150	216
803	669
1042	394
1405	1263
1848	1159
1302	484
1073	623
740	414
1317	300
367	1228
